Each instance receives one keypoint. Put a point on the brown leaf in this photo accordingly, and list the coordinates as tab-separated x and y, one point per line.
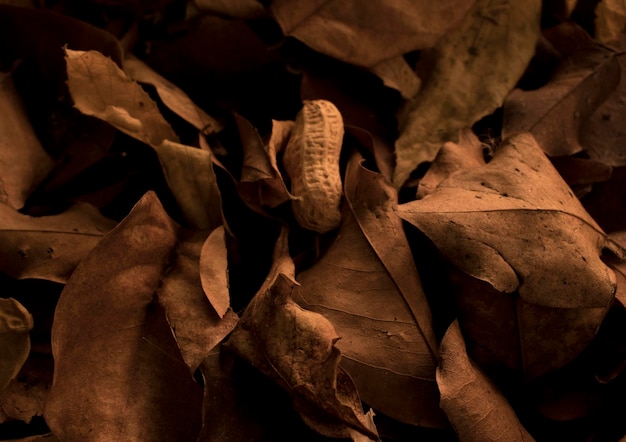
478	411
397	74
610	20
101	89
515	224
49	247
24	161
15	325
261	183
214	271
244	9
295	347
474	67
366	286
380	30
109	334
195	324
555	113
173	97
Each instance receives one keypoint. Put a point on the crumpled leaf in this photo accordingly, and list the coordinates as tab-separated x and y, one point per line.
173	97
214	271
101	89
24	161
195	324
15	325
515	225
380	30
49	247
110	334
296	348
610	20
474	67
478	411
366	286
261	183
555	113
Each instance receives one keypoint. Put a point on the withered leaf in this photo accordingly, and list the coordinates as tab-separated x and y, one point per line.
296	348
101	89
380	30
555	113
110	334
194	322
244	9
397	74
15	325
478	411
367	286
173	97
261	183
24	161
474	67
610	20
214	271
49	247
515	224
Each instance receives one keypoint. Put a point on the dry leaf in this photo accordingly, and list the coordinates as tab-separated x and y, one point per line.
15	325
194	322
478	411
173	97
109	334
101	89
214	271
367	286
555	113
49	247
474	67
515	224
397	74
380	30
244	9
610	20
261	183
296	348
24	161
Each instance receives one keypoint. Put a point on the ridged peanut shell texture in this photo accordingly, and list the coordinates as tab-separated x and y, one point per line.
311	160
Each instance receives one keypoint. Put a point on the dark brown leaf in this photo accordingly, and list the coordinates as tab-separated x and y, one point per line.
15	325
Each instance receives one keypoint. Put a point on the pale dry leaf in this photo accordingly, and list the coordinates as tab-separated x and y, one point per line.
514	224
477	410
397	74
15	325
558	111
610	20
49	247
214	271
190	175
474	67
366	33
23	161
173	97
101	89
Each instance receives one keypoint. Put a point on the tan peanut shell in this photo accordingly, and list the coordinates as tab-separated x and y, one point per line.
311	160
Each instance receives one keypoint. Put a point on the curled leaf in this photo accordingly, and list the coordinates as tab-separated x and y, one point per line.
474	67
15	325
214	271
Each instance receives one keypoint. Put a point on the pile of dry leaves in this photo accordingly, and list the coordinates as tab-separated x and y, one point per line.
155	282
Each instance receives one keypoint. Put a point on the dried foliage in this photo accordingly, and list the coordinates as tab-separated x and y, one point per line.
271	220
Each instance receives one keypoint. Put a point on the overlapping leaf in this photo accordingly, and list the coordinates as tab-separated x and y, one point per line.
367	287
472	69
49	247
380	30
296	348
101	89
555	113
15	324
515	224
